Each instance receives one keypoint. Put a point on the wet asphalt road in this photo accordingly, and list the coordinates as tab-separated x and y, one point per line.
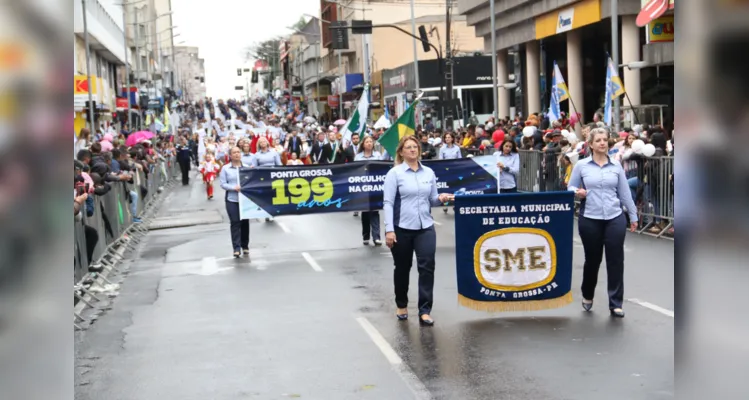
190	322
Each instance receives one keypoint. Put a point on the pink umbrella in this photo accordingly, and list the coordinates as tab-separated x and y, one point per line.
340	122
138	137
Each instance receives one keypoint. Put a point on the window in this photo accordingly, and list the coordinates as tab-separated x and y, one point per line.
478	100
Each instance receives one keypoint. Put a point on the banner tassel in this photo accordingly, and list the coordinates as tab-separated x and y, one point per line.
530	305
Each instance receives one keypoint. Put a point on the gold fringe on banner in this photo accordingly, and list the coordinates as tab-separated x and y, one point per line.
518	305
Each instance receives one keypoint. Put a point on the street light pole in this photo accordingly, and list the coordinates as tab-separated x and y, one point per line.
416	54
127	66
495	113
137	64
615	53
340	81
88	70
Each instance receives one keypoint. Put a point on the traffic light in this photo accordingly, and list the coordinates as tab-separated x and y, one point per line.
339	32
239	71
254	76
90	111
424	38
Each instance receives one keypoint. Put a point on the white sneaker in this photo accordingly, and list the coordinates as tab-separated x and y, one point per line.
378	242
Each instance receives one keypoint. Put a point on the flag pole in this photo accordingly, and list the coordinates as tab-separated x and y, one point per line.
637	119
572	103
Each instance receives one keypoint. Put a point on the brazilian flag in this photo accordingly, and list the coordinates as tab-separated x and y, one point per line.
404	126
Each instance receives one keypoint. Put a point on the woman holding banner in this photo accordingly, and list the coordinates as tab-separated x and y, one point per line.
266	157
370	220
508	164
240	228
601	184
410	190
449	151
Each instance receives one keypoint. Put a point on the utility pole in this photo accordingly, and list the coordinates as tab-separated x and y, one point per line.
416	53
495	113
137	65
91	111
448	70
615	54
340	81
127	66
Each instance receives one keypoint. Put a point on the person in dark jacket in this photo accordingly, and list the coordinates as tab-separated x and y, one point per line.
352	149
294	144
332	152
183	158
427	150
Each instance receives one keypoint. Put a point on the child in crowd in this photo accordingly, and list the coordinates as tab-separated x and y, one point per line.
294	160
209	168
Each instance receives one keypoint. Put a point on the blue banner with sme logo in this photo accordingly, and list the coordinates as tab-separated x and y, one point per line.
357	186
514	251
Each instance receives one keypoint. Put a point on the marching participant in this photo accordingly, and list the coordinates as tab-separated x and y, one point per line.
209	168
508	162
240	229
370	220
601	221
266	157
410	190
449	151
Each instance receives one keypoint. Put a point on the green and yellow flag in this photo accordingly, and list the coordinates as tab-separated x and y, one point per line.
404	126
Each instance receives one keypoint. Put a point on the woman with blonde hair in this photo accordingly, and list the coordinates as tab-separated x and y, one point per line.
601	222
410	190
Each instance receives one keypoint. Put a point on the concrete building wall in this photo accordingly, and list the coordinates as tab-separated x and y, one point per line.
391	48
190	65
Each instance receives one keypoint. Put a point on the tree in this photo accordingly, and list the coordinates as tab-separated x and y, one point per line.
267	50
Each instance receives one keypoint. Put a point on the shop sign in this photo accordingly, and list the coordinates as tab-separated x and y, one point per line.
583	13
333	101
661	30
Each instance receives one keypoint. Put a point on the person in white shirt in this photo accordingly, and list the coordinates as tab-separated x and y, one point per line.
370	220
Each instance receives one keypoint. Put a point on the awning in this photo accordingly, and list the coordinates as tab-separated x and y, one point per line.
652	10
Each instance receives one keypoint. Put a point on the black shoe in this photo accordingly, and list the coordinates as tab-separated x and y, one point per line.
587	306
401	317
426	322
617	314
246	252
237	254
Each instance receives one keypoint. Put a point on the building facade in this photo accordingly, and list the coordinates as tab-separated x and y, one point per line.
531	35
191	73
107	54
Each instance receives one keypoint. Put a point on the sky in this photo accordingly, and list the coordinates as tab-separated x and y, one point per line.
221	29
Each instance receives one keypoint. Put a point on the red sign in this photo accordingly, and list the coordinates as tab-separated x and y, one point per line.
121	102
652	10
333	101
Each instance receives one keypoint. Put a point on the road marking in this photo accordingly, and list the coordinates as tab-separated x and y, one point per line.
438	223
311	261
412	381
283	227
653	307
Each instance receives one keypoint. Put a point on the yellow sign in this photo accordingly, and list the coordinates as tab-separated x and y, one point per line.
661	30
80	85
583	13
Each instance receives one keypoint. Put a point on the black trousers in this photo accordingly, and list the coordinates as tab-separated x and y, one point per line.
370	222
240	228
92	238
513	190
424	243
184	166
596	236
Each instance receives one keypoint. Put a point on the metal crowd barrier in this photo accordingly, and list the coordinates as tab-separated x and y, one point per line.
650	180
112	221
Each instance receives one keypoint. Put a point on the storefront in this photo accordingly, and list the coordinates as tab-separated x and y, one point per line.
472	87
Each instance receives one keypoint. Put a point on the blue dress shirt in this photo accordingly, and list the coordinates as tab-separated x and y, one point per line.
507	177
229	177
408	197
607	189
268	158
248	158
361	157
449	152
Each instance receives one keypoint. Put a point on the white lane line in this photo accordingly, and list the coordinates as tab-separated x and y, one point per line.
412	381
653	307
283	227
311	261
